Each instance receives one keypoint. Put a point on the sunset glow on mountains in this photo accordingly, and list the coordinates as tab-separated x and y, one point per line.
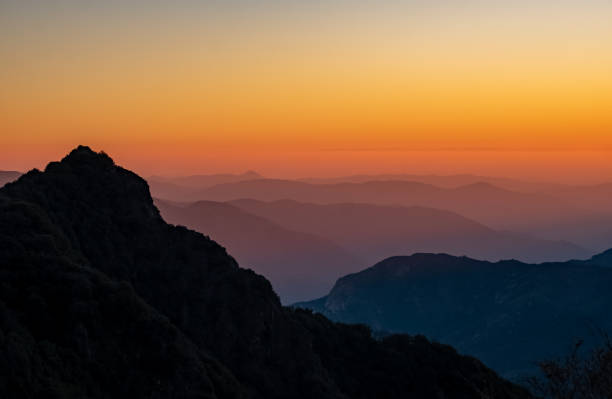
331	199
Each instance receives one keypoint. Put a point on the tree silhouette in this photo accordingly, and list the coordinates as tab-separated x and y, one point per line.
578	375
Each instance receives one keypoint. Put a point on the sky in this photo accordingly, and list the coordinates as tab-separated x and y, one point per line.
302	88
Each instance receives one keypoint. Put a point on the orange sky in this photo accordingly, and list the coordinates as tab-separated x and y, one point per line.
291	88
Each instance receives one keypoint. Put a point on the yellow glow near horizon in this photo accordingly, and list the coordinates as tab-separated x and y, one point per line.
254	78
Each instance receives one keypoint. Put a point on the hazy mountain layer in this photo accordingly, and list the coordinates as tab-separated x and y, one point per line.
446	181
299	265
483	202
374	232
182	188
539	214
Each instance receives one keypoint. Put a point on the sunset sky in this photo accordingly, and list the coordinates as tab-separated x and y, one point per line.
297	88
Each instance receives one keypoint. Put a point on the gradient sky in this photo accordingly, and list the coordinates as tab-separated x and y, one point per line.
517	88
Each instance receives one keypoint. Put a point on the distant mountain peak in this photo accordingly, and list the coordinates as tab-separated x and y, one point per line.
251	174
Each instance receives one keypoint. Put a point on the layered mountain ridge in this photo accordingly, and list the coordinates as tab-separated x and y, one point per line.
304	248
101	298
375	232
299	265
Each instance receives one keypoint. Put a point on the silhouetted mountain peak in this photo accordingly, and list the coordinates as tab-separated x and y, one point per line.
82	157
83	152
85	178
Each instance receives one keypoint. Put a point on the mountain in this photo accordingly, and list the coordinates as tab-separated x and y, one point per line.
590	230
538	214
446	181
483	202
550	214
101	298
596	197
603	259
201	181
373	232
8	176
69	331
182	188
294	244
509	314
299	265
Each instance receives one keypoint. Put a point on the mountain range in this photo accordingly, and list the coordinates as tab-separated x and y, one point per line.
101	298
374	232
509	314
299	265
594	196
303	248
482	202
181	188
542	215
445	181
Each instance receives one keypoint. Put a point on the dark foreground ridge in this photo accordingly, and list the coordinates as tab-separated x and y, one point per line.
100	298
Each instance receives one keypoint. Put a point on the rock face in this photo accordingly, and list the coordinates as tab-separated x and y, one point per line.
508	314
100	298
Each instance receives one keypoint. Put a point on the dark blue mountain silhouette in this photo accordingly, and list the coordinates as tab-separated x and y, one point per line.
508	314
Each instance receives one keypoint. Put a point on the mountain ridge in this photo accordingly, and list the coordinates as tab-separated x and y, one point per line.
509	313
85	214
297	263
373	232
479	201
